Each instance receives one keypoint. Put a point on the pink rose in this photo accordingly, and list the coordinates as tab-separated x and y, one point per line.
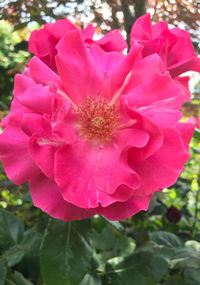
99	137
42	43
172	45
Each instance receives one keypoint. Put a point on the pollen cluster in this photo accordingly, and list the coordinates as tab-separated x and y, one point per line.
97	119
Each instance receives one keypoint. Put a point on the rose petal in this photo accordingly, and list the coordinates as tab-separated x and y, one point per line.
157	89
46	196
37	98
131	136
120	211
76	68
114	82
14	153
192	63
112	41
42	74
105	62
167	164
34	123
80	182
155	136
141	29
21	84
183	81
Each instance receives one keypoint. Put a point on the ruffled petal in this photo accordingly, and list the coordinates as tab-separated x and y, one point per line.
84	170
131	137
34	123
41	147
183	81
186	131
162	117
42	74
159	28
61	27
144	71
121	211
112	41
192	64
14	152
22	83
88	32
155	136
41	42
37	98
46	196
167	163
141	29
158	88
105	62
114	82
77	68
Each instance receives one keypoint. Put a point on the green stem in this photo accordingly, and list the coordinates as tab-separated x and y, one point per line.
67	240
9	281
196	209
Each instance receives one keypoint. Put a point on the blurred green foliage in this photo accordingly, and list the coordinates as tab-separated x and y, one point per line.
12	61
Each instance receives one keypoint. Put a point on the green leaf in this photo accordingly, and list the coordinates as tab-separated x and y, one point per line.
197	134
186	257
191	276
19	279
66	255
194	244
166	239
105	240
31	242
153	248
2	273
115	224
124	247
144	268
11	229
15	243
30	245
13	255
174	280
91	280
196	150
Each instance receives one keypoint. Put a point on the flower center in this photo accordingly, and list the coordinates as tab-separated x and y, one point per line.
97	119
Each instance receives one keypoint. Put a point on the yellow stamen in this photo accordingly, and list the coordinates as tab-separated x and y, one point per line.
97	119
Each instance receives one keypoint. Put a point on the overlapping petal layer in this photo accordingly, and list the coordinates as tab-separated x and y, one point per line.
42	43
167	43
102	133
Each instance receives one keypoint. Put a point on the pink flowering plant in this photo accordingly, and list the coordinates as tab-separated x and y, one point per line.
94	128
96	131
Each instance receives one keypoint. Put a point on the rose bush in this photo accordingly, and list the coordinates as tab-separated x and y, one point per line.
172	45
99	135
42	43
